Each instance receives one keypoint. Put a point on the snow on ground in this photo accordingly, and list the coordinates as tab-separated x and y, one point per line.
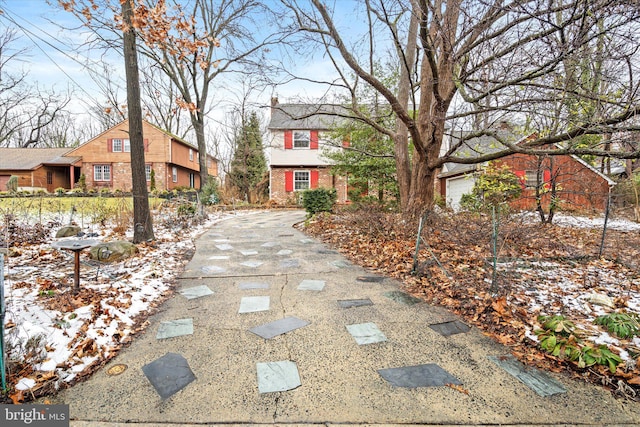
56	335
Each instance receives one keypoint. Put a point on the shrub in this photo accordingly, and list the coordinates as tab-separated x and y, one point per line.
82	181
152	180
319	200
622	325
12	184
209	193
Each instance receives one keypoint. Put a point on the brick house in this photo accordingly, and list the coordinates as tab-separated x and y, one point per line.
579	185
297	137
105	162
105	159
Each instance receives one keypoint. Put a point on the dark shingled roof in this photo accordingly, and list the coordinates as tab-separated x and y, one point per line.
475	147
307	116
31	158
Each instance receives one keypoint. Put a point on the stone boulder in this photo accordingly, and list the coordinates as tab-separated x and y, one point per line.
68	231
113	251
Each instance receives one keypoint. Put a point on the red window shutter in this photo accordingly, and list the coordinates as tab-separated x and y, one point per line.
110	145
547	179
288	140
522	175
314	178
146	145
313	142
288	181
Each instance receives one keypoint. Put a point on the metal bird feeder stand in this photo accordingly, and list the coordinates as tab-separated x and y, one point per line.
76	246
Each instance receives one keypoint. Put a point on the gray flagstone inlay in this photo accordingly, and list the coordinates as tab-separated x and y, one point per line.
219	257
366	333
253	285
269	244
254	304
196	292
429	375
307	241
311	285
340	264
450	328
370	279
213	269
401	297
175	328
224	247
169	374
290	263
252	264
284	252
249	253
540	382
350	303
277	376
278	327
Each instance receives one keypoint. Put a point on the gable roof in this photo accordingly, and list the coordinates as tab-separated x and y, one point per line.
32	158
474	147
307	116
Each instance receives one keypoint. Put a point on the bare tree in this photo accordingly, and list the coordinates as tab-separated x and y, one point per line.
484	57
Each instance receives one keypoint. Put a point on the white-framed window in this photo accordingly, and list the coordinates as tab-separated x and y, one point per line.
192	180
301	180
102	172
147	172
174	174
190	154
301	139
119	145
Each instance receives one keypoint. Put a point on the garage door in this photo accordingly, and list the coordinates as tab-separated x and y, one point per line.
456	187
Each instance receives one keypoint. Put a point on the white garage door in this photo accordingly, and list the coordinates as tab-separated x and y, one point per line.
456	187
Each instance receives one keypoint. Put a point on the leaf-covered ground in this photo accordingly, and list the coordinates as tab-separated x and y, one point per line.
540	270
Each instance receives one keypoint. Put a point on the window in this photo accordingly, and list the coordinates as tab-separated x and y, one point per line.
49	178
531	179
174	174
120	145
301	180
147	172
102	172
191	154
301	139
192	180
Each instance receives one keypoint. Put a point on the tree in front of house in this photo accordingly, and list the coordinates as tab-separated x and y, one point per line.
494	187
249	165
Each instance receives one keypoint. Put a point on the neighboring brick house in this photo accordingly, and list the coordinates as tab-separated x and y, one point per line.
46	168
579	185
298	135
106	159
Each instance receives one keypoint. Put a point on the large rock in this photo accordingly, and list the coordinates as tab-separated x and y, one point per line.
113	251
68	231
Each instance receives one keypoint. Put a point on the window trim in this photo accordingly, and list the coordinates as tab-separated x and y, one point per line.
174	174
102	167
296	181
308	140
147	171
191	154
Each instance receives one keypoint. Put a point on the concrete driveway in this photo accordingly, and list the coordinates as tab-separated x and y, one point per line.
212	354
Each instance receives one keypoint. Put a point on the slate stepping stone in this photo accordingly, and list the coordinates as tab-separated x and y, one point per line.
540	382
350	303
340	264
196	292
311	285
253	285
219	257
450	328
307	241
224	247
429	375
252	264
285	235
249	253
221	240
327	252
213	269
269	244
277	376
290	263
175	328
278	327
254	304
284	252
366	333
169	374
370	279
401	297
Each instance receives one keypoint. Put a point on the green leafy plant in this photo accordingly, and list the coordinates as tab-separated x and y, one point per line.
600	355
12	184
319	200
558	324
622	325
209	194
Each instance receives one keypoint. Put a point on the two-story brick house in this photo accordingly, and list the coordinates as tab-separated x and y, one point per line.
106	159
298	133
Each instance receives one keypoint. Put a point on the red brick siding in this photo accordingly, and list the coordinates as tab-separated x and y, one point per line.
325	180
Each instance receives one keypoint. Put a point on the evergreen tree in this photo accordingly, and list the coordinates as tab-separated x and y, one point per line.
249	165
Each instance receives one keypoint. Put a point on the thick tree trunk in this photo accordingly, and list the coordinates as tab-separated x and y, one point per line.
197	119
143	226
